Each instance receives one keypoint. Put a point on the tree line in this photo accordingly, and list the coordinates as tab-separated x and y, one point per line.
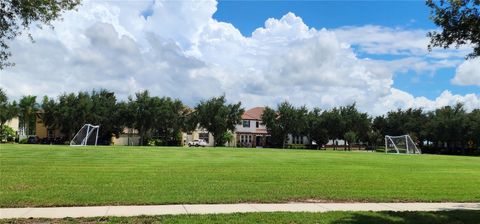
158	120
450	129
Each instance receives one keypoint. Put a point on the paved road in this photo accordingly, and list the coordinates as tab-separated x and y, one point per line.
97	211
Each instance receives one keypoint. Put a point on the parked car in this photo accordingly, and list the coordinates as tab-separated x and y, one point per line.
33	140
197	143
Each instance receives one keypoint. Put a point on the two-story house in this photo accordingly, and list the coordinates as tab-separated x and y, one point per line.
251	132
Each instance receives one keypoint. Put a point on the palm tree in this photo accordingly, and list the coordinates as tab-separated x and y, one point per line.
28	108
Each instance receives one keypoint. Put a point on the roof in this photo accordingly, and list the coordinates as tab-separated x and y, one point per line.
253	114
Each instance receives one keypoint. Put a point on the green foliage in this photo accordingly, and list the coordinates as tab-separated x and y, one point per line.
351	137
7	134
355	121
375	138
218	117
160	118
7	110
459	21
227	137
28	108
334	123
286	119
18	15
317	129
411	121
449	127
72	111
473	129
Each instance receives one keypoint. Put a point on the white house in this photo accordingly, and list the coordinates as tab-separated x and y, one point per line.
251	132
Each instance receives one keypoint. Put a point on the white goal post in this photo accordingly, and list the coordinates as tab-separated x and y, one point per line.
87	135
400	144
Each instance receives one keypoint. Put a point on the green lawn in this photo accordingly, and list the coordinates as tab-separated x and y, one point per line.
444	217
38	175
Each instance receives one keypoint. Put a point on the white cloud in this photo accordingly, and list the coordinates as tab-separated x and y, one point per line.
401	99
468	73
397	41
181	51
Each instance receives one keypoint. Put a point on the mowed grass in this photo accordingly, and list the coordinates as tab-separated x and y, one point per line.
444	217
42	175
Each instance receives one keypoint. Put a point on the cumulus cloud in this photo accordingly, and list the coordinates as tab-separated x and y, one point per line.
401	99
179	50
468	73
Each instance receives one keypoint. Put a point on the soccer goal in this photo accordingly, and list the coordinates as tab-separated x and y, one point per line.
400	144
87	135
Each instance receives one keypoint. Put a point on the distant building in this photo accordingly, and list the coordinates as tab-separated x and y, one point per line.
251	132
128	136
199	133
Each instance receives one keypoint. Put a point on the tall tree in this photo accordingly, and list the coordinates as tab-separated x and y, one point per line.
67	115
104	112
73	111
143	110
459	21
316	129
350	137
374	139
50	116
335	125
218	117
473	129
28	108
354	121
285	120
169	120
17	15
450	126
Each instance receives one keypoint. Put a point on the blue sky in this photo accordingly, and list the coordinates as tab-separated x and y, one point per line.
409	15
249	15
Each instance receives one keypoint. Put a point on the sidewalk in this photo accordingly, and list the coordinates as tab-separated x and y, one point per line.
95	211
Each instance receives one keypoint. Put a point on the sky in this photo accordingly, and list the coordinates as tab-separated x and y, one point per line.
314	53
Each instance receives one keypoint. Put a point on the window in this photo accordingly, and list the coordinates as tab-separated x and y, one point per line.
246	123
258	124
297	139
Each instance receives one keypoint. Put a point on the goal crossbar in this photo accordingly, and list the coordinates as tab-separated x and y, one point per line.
410	147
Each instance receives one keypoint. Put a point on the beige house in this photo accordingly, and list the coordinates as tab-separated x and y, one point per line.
14	123
129	136
196	135
43	132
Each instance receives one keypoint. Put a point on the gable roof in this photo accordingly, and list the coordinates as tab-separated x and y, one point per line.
253	113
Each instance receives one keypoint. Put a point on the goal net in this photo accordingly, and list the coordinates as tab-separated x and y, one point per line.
87	135
400	144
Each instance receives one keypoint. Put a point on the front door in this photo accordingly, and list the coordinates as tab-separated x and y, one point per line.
258	141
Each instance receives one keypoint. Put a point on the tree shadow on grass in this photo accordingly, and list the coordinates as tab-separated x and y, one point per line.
443	217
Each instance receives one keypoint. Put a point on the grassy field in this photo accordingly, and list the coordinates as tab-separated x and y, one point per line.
40	175
444	217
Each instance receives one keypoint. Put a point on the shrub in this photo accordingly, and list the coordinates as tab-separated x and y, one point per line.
7	134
